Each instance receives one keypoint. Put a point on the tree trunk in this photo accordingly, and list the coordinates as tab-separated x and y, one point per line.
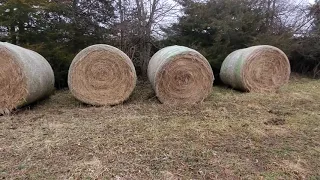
273	13
141	35
121	24
21	34
75	25
146	35
13	34
146	59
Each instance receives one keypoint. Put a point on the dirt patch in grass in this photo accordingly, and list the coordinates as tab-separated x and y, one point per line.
232	135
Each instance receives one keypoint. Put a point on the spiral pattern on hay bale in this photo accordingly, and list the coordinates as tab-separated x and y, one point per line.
102	75
256	69
25	77
180	75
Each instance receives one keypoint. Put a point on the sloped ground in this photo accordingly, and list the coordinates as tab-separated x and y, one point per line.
232	135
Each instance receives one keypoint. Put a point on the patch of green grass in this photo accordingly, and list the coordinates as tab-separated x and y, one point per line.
21	166
274	175
315	177
284	151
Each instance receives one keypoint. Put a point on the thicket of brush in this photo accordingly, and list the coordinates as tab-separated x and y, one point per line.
58	30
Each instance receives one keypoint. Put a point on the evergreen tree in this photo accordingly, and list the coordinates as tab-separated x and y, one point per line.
56	29
218	27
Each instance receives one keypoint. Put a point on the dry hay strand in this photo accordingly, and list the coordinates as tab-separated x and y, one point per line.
256	69
25	77
102	75
180	75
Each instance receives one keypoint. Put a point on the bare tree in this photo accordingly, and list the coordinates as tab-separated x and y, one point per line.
139	23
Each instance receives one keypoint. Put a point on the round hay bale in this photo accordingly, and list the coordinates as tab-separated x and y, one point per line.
180	75
25	77
102	75
256	69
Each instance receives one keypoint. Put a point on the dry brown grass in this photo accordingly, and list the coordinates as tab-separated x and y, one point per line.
232	135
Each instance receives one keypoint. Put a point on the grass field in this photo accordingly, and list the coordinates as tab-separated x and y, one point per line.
232	135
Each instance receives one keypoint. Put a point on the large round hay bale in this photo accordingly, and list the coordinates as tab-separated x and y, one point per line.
102	75
25	77
257	69
180	75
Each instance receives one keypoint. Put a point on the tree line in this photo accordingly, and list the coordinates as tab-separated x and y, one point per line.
59	29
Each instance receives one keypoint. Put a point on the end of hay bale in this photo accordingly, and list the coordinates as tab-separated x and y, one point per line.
102	75
261	68
25	77
180	75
